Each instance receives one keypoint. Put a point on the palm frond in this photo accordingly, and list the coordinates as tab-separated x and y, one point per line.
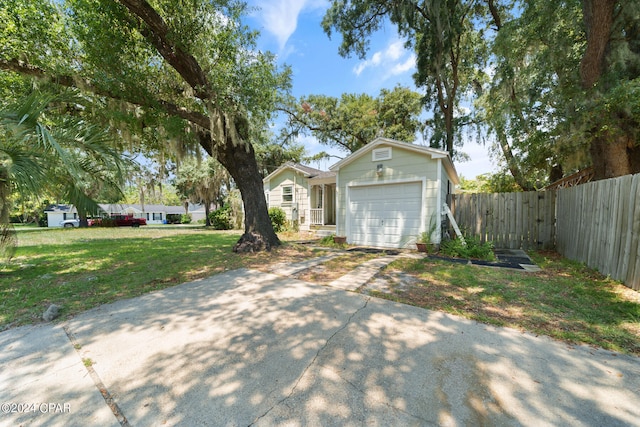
41	146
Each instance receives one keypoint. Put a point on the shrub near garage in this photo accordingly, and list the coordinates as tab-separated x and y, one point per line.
472	248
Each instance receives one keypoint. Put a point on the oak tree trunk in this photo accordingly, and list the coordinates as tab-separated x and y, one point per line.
598	19
512	163
611	155
240	162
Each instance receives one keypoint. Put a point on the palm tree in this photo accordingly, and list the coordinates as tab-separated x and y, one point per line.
42	146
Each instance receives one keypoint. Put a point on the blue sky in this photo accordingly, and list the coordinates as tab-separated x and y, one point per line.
291	29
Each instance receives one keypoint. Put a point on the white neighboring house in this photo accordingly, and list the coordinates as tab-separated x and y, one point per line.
383	195
154	214
58	213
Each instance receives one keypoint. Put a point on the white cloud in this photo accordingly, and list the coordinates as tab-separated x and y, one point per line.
403	67
393	58
280	17
395	50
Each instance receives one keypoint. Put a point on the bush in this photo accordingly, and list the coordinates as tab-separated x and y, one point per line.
221	218
278	219
185	219
330	242
473	249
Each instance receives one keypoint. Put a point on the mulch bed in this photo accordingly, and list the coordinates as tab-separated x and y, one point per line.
506	259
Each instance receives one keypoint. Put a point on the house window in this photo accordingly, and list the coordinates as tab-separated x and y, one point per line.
287	193
157	216
381	154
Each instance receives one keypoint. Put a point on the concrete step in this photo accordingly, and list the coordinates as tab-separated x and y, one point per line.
324	232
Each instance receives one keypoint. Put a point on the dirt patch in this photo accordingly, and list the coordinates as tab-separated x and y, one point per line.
335	268
389	283
265	261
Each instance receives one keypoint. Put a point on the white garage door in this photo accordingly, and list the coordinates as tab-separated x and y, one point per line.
385	216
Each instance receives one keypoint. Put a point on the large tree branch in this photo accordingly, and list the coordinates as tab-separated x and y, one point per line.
70	81
157	32
495	14
324	130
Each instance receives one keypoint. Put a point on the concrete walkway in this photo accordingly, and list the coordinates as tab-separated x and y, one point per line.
250	348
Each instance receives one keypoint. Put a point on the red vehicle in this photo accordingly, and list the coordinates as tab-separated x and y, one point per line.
119	221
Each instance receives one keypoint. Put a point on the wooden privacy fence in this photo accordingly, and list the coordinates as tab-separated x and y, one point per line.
509	220
599	224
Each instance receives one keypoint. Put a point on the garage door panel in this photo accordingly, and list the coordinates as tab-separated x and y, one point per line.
384	215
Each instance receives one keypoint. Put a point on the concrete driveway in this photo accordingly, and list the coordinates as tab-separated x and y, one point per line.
249	348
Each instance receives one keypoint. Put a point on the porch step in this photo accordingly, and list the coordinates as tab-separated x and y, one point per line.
323	230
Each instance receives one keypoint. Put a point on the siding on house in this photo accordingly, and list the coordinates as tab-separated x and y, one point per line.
299	205
404	166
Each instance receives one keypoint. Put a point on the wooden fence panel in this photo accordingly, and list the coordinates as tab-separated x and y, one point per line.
509	220
597	223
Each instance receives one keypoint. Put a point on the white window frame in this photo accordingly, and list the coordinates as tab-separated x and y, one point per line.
289	195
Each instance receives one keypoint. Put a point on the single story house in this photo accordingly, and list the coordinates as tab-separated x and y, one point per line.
384	195
154	214
306	195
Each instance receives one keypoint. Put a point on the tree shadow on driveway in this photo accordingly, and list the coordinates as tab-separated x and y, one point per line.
251	348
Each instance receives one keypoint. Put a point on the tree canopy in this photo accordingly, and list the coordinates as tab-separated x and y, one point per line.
552	84
354	120
171	76
448	47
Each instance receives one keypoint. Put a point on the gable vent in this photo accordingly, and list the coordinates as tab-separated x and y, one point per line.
381	154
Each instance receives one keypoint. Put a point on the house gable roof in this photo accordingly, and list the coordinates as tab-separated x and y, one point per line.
419	149
307	171
148	208
60	209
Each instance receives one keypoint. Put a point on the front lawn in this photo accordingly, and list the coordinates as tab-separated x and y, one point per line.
84	268
566	300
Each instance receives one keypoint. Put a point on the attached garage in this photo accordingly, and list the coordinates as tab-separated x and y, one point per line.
386	215
388	191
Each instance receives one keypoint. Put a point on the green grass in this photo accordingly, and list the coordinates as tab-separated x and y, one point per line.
566	301
83	268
